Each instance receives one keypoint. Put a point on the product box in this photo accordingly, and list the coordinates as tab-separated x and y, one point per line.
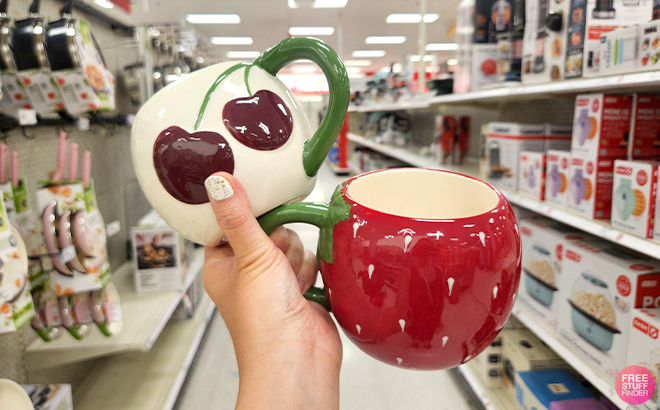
462	139
531	178
618	51
634	196
492	17
590	187
656	230
543	242
556	177
50	396
544	41
645	128
595	310
488	364
644	328
190	301
648	44
588	20
14	96
601	125
558	136
483	66
504	143
445	130
161	255
542	389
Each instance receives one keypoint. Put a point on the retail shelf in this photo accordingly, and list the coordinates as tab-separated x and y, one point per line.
147	381
338	170
491	399
145	315
354	167
396	106
601	229
594	377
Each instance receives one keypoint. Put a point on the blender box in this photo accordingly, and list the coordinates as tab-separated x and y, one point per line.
483	70
488	364
543	242
590	187
645	128
558	136
531	178
50	396
618	51
504	143
601	125
644	329
544	41
648	51
556	177
607	283
491	17
634	196
544	389
588	20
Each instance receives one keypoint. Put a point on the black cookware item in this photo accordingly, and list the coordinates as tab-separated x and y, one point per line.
28	41
61	41
6	27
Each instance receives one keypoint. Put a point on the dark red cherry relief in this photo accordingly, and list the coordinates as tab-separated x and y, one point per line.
184	160
262	122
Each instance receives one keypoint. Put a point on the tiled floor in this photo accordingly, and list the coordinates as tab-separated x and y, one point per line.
365	383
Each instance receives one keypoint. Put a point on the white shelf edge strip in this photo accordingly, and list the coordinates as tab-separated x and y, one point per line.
187	361
194	270
476	387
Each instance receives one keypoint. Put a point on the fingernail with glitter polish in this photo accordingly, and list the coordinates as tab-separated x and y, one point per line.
218	188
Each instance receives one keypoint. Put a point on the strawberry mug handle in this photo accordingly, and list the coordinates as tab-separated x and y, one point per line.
292	49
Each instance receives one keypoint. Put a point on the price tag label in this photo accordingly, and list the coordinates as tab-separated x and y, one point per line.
67	254
27	117
82	123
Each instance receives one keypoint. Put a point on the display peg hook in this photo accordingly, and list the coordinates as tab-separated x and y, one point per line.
26	135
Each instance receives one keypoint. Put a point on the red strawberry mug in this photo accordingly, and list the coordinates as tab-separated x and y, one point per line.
421	267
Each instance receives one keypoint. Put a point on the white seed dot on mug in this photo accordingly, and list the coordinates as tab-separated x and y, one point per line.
495	292
482	236
467	358
402	323
355	229
371	270
450	283
406	242
444	340
398	359
513	298
359	329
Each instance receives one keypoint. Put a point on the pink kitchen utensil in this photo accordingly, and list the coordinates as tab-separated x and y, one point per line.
83	237
3	163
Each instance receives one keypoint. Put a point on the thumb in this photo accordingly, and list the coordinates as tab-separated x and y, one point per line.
234	215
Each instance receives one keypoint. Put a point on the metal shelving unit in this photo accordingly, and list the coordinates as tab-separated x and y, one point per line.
491	399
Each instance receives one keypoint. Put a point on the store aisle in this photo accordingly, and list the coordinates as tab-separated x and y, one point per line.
365	383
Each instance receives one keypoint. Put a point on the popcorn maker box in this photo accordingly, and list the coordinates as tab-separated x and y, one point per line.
604	284
646	353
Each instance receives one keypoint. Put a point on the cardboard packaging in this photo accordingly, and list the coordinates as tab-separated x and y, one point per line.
557	177
648	52
644	328
488	364
656	229
492	17
531	178
543	389
483	66
618	51
595	310
634	196
504	143
558	136
190	301
645	128
601	125
50	396
161	255
445	129
590	187
588	20
543	242
544	41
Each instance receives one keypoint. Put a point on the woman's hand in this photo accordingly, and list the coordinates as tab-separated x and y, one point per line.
288	349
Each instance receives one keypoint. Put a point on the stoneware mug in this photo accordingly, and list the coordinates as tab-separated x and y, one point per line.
241	119
420	267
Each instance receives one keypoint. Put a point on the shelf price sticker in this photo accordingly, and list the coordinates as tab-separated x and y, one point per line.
635	385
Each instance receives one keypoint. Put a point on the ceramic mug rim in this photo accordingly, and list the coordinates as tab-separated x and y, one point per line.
348	198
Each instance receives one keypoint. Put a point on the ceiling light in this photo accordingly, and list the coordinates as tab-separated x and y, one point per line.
318	4
357	63
441	46
385	39
397	67
411	18
303	69
452	61
243	54
415	58
231	40
353	70
311	31
106	4
368	53
213	18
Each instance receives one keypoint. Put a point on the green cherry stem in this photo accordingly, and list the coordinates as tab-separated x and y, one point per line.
209	93
246	78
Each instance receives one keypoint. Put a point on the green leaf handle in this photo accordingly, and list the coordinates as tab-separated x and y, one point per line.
292	49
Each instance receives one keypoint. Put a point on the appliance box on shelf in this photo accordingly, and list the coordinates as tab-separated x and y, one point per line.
504	143
483	69
523	351
588	20
618	51
634	196
531	176
543	44
646	352
595	310
543	242
492	17
50	396
488	364
601	125
445	130
645	129
161	255
556	177
190	301
558	136
590	187
648	52
540	389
